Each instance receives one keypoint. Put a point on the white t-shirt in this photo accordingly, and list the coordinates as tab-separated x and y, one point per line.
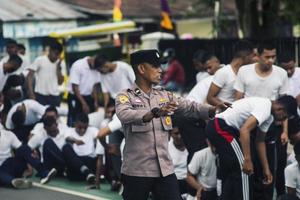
8	141
45	74
83	76
203	165
251	84
115	124
179	159
23	68
123	77
40	135
242	109
224	78
34	112
3	76
292	177
200	90
201	75
90	142
294	83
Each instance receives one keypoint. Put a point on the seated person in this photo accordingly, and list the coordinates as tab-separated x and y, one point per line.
12	167
50	140
23	116
87	149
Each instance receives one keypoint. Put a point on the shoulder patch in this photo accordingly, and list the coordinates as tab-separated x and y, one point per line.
123	99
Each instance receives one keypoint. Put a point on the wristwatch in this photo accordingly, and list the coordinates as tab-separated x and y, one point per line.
155	112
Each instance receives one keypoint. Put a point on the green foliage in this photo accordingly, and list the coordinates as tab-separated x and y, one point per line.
291	10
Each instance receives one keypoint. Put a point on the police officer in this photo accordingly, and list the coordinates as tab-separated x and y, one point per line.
144	111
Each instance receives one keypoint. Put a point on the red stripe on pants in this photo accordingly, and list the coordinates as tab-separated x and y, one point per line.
223	133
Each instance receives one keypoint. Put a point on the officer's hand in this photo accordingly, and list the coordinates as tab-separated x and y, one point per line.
248	167
268	178
168	109
223	106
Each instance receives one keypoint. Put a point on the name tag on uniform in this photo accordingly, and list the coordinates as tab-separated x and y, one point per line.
137	103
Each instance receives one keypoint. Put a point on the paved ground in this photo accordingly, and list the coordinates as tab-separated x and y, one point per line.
35	193
60	189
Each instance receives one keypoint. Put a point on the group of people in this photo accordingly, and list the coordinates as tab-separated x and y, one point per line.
227	139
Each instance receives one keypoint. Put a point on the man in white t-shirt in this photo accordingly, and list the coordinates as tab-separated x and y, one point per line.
7	68
199	91
12	166
83	87
179	155
292	174
293	72
51	140
199	65
12	49
8	81
83	152
23	116
16	79
202	173
229	133
264	79
221	90
48	76
115	77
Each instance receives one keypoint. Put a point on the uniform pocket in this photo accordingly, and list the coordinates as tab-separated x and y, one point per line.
144	127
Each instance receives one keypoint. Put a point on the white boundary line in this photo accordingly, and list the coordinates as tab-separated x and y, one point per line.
80	194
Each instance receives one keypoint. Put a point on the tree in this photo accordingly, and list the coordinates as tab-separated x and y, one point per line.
261	19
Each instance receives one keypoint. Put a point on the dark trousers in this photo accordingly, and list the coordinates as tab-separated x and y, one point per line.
262	191
14	167
183	186
115	138
53	156
209	195
281	164
75	107
162	188
235	184
75	162
48	99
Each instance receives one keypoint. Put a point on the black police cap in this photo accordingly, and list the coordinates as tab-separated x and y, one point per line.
151	56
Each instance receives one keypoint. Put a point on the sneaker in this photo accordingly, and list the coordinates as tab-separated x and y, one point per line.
115	185
20	183
91	178
50	175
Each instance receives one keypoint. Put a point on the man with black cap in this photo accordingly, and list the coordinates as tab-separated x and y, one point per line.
145	112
